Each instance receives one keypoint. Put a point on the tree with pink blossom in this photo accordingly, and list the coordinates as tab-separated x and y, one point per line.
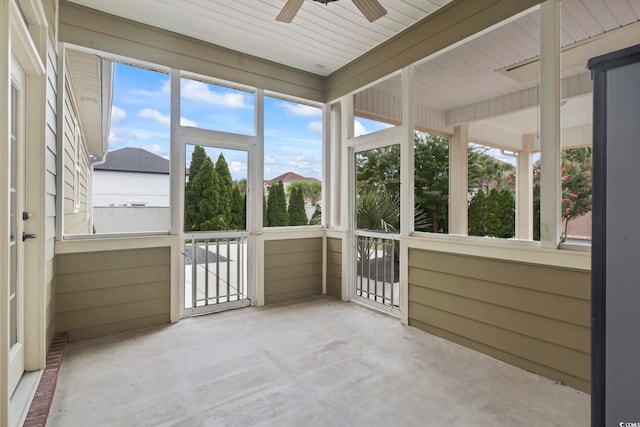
576	188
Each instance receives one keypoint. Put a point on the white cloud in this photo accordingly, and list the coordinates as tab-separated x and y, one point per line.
157	149
237	167
359	129
117	115
497	154
186	122
269	160
315	126
163	119
302	110
155	115
121	137
166	86
200	92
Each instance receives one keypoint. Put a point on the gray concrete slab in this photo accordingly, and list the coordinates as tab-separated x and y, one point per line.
312	362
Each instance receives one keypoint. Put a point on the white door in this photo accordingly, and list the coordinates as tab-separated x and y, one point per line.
16	209
215	253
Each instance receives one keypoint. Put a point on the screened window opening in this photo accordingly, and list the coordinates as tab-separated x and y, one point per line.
492	189
292	163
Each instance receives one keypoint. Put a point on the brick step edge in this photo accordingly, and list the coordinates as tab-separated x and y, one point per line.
41	404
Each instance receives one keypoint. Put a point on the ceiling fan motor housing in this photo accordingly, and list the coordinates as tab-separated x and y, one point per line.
325	1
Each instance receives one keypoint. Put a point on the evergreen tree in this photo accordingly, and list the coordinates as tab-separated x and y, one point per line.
297	213
225	189
506	211
277	215
432	179
265	221
477	214
205	187
492	221
192	217
237	210
197	158
500	214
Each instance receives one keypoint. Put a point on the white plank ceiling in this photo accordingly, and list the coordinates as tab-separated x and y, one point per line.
321	39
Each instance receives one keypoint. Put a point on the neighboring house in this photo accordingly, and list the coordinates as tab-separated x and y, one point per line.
131	177
287	179
131	192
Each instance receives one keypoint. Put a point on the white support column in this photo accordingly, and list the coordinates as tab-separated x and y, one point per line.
524	191
407	155
346	127
334	162
459	180
176	194
407	193
550	126
347	192
255	207
327	180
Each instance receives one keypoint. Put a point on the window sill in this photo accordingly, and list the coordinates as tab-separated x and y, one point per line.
98	243
521	251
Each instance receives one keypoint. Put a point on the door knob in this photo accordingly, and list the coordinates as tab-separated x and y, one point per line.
26	236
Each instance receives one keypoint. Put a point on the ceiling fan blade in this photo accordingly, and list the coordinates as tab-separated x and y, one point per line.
289	10
371	9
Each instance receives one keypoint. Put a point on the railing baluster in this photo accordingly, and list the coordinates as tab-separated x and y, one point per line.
393	271
229	279
228	270
206	272
371	248
217	271
384	272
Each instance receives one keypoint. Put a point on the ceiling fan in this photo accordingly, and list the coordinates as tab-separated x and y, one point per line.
371	9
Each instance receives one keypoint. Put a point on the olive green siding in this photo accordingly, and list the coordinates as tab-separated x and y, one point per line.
532	316
101	293
292	269
334	267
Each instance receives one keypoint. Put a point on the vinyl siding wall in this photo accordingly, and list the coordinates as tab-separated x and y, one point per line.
535	317
334	267
50	168
104	292
292	269
76	167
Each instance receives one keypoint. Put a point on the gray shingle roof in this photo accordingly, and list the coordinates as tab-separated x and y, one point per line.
134	160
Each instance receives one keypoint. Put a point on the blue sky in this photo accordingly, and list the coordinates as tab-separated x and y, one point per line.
293	132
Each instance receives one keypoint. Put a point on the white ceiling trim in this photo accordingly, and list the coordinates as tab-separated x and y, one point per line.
516	101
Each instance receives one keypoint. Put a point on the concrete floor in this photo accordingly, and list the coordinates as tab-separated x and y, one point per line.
314	362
